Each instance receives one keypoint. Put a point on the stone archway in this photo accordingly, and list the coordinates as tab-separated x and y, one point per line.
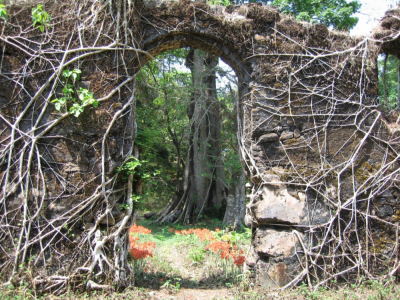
311	139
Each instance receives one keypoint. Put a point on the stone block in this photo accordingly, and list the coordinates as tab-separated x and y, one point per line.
269	137
384	211
274	243
286	135
272	275
251	260
278	274
248	220
259	37
278	206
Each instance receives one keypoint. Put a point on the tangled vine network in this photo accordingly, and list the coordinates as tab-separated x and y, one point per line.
59	189
325	140
38	154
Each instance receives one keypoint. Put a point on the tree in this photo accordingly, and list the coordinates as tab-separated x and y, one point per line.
388	73
203	182
335	13
163	92
184	114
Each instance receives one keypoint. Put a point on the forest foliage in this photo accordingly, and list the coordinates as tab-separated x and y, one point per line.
391	81
337	14
164	92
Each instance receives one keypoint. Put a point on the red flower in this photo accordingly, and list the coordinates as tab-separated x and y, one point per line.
239	261
139	229
140	251
227	251
218	246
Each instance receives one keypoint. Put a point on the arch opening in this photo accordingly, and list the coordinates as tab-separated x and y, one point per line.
188	125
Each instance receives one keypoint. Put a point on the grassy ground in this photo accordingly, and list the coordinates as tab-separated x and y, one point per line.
182	261
183	268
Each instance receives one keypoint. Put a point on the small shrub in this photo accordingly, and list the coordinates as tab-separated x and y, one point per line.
3	12
40	17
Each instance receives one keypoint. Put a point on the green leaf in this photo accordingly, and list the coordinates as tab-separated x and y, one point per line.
3	12
67	73
85	96
76	109
68	90
335	13
159	101
40	17
59	103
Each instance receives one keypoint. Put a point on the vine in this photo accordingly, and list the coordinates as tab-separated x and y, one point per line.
59	189
39	179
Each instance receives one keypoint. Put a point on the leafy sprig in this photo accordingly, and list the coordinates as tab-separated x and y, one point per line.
40	17
3	12
84	96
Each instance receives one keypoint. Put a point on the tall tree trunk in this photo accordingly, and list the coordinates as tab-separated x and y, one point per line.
398	88
384	81
204	173
236	201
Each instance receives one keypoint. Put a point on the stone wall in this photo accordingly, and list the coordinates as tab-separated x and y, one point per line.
321	158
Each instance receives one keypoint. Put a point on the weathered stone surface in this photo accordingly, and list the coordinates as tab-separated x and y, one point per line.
286	135
269	137
278	274
384	211
155	3
259	37
267	178
271	275
278	206
271	242
248	220
251	259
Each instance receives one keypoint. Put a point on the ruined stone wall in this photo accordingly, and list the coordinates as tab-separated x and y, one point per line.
322	161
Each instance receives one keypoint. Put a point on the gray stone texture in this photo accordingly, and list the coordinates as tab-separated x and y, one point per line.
278	206
274	243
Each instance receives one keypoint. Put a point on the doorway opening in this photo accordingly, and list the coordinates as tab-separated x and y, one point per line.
187	121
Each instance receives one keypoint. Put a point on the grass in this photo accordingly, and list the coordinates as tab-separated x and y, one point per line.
182	261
